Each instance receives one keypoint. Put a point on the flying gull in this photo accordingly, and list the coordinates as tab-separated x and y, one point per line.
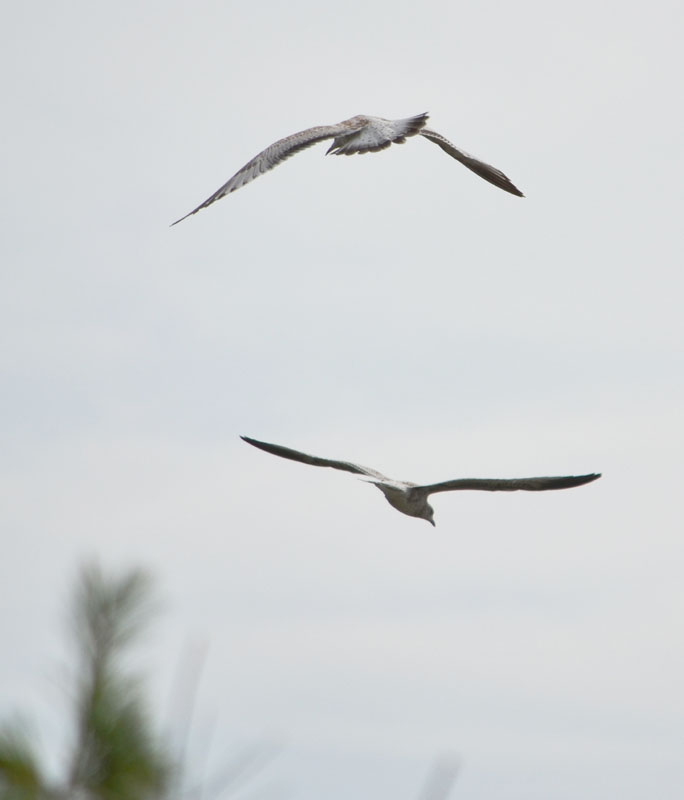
360	134
411	498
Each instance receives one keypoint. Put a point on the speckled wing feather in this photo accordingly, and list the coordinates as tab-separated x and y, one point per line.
314	461
277	153
506	485
377	134
486	171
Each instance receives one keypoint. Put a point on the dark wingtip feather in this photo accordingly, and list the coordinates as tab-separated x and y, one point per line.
592	477
189	214
576	480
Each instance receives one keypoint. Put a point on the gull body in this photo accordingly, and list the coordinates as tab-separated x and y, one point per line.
359	134
412	498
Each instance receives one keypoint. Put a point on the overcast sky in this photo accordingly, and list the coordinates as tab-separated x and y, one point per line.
391	309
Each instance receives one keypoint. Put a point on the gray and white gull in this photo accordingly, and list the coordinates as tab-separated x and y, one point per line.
360	134
412	498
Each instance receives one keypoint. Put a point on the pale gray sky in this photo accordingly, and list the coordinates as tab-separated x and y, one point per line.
392	309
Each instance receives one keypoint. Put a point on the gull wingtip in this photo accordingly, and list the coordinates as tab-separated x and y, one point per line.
180	219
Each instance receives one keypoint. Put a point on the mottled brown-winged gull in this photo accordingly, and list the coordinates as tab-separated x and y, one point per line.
360	134
411	498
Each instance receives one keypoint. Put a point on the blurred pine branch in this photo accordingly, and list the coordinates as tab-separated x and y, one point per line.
116	753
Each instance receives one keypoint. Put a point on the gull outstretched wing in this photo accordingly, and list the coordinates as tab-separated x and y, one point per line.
314	461
277	153
486	171
507	485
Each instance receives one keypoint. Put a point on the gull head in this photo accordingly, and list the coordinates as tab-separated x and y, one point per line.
428	514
